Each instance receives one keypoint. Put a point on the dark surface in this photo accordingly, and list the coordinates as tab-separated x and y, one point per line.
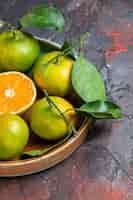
102	170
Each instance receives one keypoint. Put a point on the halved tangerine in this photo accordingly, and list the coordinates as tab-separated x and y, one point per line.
17	92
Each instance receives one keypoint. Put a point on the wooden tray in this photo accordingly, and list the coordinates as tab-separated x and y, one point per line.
33	165
30	166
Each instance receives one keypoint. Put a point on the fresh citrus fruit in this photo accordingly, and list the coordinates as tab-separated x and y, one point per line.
18	51
17	92
56	76
47	122
14	135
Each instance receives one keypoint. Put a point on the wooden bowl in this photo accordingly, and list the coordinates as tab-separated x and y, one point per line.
37	164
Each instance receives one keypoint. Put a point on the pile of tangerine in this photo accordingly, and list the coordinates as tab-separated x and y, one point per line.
22	108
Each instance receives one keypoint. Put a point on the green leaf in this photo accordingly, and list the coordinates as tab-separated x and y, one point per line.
35	152
83	37
40	152
87	81
44	17
101	110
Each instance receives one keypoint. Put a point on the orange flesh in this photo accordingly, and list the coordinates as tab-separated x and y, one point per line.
16	92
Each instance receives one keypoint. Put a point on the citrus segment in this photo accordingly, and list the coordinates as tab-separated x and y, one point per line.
17	92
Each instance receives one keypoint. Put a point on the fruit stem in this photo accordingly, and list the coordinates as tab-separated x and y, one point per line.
13	32
52	104
6	23
82	40
65	52
9	25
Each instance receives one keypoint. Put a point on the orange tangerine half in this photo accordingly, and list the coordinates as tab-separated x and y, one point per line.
17	92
